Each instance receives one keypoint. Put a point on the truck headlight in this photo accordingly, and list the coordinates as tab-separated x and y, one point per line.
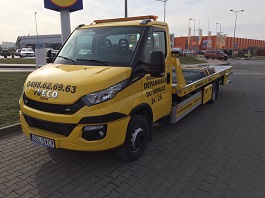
104	95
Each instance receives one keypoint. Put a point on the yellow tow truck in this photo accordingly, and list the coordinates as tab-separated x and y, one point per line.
109	83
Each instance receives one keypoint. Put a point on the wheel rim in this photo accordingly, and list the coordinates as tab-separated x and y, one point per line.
137	139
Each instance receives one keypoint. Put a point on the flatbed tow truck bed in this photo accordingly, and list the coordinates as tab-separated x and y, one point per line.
199	80
197	77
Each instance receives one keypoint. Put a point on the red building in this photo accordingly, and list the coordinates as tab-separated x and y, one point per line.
215	42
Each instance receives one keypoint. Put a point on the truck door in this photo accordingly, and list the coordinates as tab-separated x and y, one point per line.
157	89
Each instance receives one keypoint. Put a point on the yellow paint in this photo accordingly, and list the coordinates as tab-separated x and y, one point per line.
180	77
225	82
188	106
207	93
64	3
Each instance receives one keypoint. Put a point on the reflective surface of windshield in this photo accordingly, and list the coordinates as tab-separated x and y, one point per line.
113	46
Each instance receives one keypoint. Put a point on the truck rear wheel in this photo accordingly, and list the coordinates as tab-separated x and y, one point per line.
136	139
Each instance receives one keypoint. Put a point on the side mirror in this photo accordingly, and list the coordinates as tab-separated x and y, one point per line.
156	64
49	57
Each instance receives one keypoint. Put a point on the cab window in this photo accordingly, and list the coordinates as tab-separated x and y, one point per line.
156	41
106	46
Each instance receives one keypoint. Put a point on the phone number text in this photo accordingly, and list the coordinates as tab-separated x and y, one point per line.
51	86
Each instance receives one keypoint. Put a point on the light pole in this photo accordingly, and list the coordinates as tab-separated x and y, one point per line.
236	11
194	26
193	31
217	41
164	8
126	11
189	34
36	30
219	35
216	28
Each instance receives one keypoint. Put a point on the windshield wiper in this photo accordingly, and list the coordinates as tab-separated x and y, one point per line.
72	60
97	61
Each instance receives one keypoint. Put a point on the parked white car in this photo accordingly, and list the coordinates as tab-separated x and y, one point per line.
186	52
27	52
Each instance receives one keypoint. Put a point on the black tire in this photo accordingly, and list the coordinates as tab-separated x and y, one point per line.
207	57
135	140
214	93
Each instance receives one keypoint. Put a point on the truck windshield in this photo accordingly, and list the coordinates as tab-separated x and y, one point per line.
112	46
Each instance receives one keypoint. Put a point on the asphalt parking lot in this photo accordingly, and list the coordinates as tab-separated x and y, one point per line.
216	151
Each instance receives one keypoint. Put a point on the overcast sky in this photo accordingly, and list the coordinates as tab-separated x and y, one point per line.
18	19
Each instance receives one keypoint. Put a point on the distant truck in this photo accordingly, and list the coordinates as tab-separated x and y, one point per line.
111	96
5	53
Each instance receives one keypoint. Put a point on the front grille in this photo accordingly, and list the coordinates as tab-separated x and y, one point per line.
58	128
53	108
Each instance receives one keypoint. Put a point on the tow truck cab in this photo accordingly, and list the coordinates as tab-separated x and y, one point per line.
104	89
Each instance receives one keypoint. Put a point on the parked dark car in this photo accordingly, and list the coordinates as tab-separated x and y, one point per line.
17	53
218	54
5	53
54	52
201	52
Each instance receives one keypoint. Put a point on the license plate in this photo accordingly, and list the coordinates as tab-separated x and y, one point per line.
42	141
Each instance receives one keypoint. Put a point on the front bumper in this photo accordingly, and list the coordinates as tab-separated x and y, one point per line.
27	55
115	136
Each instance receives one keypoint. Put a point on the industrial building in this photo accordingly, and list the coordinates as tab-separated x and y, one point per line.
8	45
53	41
219	42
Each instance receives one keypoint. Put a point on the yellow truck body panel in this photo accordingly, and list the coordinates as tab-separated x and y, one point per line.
109	83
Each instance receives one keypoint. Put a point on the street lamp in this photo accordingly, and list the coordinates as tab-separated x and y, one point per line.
126	12
219	35
236	11
36	30
193	32
164	8
194	25
216	28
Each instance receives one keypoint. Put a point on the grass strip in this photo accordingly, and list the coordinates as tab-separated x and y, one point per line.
190	60
11	85
17	61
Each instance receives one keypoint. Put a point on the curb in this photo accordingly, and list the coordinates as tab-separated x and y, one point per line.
18	66
10	129
206	64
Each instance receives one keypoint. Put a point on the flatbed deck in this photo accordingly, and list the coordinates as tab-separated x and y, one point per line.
195	78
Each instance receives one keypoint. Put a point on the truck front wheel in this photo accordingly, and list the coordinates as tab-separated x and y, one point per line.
136	139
